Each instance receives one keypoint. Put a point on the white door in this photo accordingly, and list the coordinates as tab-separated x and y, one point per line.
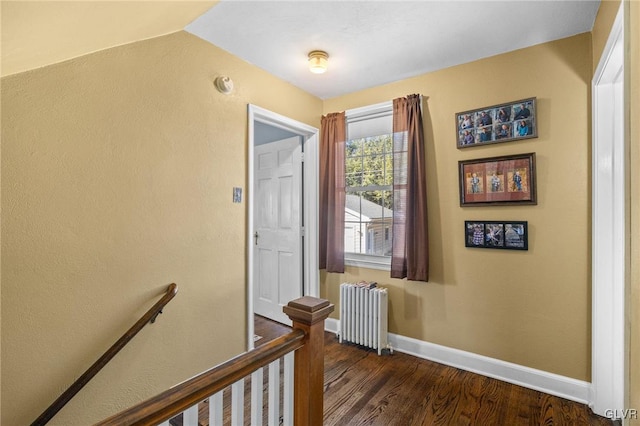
277	239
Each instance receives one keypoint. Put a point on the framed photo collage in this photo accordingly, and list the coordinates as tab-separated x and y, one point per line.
502	180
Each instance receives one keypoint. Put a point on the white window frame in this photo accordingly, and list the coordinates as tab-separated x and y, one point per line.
369	261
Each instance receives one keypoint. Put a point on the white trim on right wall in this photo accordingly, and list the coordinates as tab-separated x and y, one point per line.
609	239
543	381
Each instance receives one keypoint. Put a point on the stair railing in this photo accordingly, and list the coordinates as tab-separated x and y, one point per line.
149	317
306	339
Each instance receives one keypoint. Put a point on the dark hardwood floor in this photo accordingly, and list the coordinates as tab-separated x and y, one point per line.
362	388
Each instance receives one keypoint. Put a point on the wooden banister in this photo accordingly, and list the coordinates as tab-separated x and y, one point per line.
177	399
306	338
149	316
308	314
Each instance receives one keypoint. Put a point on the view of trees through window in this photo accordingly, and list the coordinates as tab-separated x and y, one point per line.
369	168
369	195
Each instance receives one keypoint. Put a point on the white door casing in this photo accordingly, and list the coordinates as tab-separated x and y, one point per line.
309	135
277	245
608	375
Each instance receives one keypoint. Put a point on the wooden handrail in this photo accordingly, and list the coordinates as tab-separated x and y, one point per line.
306	339
149	316
171	402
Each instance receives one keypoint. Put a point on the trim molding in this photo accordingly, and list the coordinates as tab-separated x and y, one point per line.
610	220
311	278
553	384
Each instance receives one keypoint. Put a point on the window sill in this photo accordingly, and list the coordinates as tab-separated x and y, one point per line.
368	261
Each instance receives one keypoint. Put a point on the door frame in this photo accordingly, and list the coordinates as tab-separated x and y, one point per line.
610	216
309	134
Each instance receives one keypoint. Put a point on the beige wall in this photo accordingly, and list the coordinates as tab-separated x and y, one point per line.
602	26
530	308
117	171
117	177
39	33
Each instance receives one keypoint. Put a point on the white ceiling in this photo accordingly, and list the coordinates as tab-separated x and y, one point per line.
377	42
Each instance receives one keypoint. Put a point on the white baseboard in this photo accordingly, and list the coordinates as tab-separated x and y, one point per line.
553	384
332	325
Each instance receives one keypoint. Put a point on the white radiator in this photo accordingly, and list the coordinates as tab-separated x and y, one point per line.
363	315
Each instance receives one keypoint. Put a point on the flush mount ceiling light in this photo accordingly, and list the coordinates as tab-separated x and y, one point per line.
318	61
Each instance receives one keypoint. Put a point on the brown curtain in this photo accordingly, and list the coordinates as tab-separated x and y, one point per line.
332	195
410	257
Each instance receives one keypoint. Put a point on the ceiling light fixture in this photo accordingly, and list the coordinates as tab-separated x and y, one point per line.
318	61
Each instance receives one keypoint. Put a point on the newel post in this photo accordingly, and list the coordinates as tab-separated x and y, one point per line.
308	314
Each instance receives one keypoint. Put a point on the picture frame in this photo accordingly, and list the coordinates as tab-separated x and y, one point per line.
504	235
508	179
506	122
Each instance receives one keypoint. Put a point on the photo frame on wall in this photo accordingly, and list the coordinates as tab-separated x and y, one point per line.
498	123
509	179
512	235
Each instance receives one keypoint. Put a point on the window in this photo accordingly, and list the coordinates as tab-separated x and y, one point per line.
369	186
367	147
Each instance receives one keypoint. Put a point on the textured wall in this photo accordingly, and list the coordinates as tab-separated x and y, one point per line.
40	33
117	170
530	308
117	176
602	26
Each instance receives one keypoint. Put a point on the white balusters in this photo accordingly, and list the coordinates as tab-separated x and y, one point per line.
190	416
274	393
237	403
276	399
257	379
215	409
287	397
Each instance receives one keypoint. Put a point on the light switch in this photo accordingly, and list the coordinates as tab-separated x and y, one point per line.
237	195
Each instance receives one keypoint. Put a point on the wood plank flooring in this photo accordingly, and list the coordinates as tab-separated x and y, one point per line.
362	388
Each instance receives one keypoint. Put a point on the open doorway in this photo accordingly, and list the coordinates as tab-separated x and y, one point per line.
282	210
